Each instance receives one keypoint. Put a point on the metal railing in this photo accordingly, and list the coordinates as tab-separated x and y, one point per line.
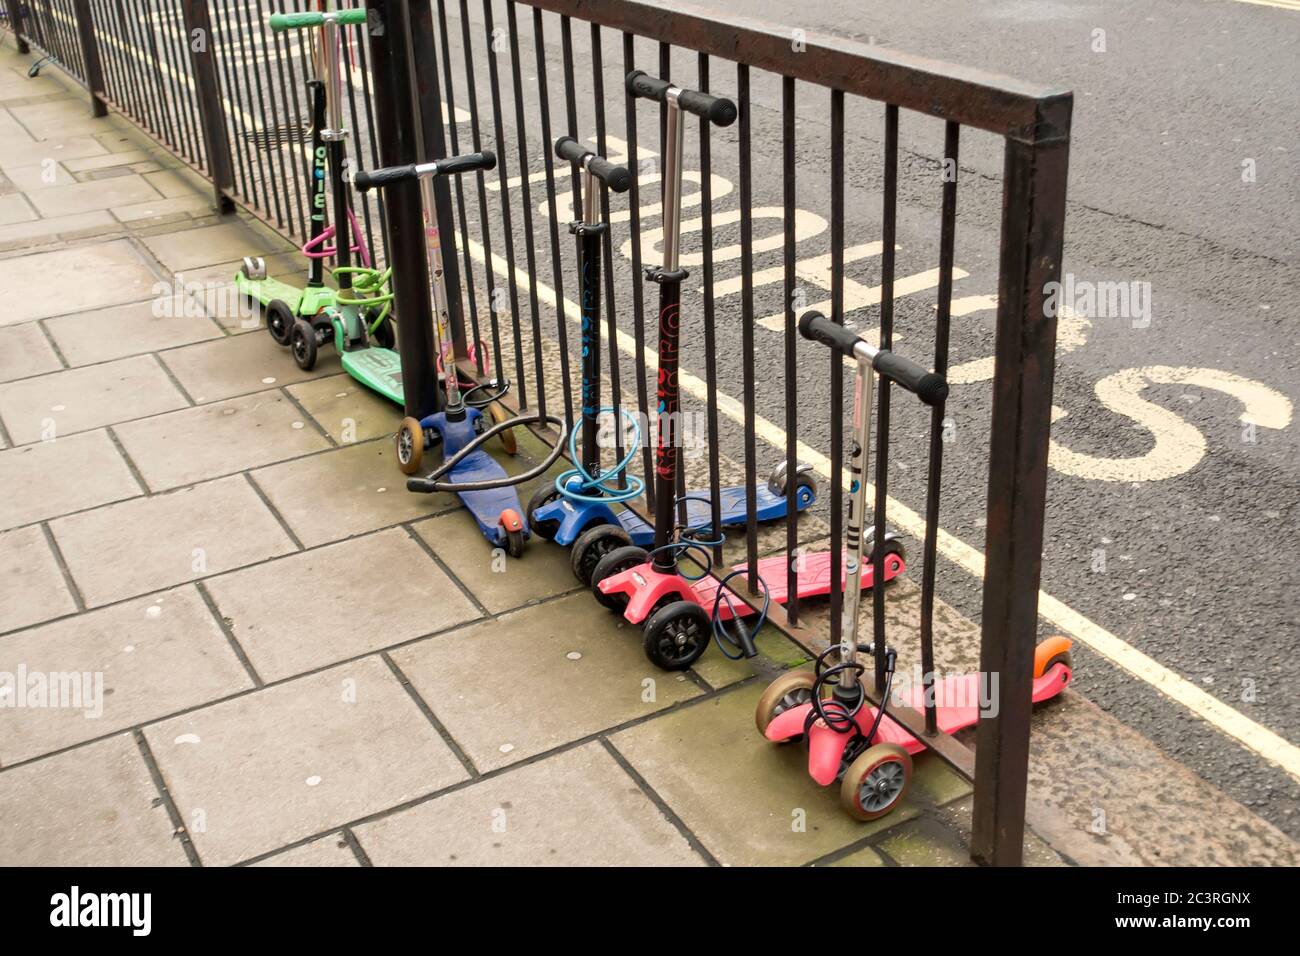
459	75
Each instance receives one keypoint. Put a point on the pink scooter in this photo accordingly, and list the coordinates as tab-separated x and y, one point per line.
848	739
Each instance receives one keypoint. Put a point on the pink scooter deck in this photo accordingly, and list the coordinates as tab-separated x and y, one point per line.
644	586
957	700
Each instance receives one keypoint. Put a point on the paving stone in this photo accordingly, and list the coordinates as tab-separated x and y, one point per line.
25	351
863	857
300	758
50	478
337	602
331	850
151	543
102	335
214	286
32	588
578	808
81	399
25	234
742	796
137	212
15	208
149	657
195	248
237	365
194	444
609	684
349	491
173	185
499	585
58	118
47	174
105	161
926	842
93	806
18	151
73	280
118	140
349	412
83	197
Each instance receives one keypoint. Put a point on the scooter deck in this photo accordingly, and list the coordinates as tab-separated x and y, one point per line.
734	509
379	369
301	301
957	706
812	579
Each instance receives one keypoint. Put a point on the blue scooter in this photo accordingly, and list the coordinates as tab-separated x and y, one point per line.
578	510
467	471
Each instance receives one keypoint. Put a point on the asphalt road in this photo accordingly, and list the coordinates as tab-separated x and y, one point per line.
1171	523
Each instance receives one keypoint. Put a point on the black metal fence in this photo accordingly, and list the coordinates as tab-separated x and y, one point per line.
208	80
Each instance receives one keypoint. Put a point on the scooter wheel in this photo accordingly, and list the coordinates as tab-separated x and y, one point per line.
785	693
676	635
514	542
1055	650
410	445
591	547
303	343
541	497
507	437
876	781
616	562
279	321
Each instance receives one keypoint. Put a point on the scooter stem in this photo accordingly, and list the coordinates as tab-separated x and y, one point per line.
589	250
863	382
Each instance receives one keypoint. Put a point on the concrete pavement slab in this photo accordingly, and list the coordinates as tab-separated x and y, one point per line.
101	335
345	492
196	248
93	806
329	604
237	365
577	808
22	235
347	411
74	279
207	441
151	543
84	197
585	677
139	660
15	208
25	352
81	399
48	479
330	850
32	588
260	771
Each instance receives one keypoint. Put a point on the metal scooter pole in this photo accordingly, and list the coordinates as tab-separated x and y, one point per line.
589	232
863	384
455	409
335	135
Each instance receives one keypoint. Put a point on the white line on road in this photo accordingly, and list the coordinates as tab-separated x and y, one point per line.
1228	720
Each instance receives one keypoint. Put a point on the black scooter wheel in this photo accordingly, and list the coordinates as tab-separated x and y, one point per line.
541	497
279	321
592	546
616	562
514	543
676	635
303	343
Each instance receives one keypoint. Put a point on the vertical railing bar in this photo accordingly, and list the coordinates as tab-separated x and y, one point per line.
244	102
88	55
59	32
132	101
287	138
570	110
638	301
162	39
180	60
710	337
888	234
248	183
837	371
159	79
747	319
507	227
489	274
607	251
153	104
107	51
791	370
557	266
368	100
295	140
191	95
525	193
269	181
934	476
276	130
201	62
346	60
298	77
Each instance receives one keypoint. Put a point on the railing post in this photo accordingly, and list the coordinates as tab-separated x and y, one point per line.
429	102
90	57
17	13
202	46
1033	226
397	134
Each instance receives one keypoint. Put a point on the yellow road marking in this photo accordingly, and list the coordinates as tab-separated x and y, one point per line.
1228	720
1282	4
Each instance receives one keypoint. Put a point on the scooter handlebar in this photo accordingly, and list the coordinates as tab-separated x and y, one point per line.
928	387
616	178
298	21
716	109
366	180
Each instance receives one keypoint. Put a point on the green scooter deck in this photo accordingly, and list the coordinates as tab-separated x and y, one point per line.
378	369
306	301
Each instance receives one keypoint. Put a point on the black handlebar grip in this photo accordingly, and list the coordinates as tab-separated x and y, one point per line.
815	326
928	386
466	163
616	178
365	181
716	109
421	484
